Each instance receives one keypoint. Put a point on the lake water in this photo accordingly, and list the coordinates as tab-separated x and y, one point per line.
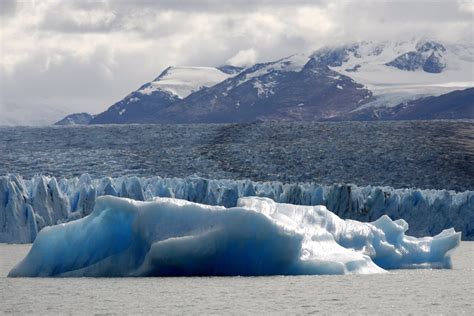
435	154
420	154
398	292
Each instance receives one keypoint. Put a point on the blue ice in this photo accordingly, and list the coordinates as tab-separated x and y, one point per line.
27	206
172	237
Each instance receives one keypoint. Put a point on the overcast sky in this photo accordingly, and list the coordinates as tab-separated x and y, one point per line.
86	55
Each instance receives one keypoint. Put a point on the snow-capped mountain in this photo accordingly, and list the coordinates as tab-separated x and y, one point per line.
182	81
172	85
294	88
231	70
76	119
345	82
428	56
398	72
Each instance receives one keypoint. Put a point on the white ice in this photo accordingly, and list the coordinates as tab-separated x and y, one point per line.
172	237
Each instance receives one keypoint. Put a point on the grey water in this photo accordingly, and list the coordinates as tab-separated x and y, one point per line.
431	155
403	292
419	154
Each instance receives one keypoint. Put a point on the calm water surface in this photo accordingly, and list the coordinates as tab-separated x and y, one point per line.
398	292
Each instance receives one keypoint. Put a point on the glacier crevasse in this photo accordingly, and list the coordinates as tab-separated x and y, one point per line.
27	206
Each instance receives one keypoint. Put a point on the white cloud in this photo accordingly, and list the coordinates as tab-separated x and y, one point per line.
244	58
85	55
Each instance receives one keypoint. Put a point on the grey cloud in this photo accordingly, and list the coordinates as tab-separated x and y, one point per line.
89	85
7	8
136	15
227	6
81	17
407	11
86	55
69	26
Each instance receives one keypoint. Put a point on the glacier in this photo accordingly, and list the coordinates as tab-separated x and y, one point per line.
29	205
172	237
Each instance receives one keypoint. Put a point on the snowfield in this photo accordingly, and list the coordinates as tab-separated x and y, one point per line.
368	64
182	81
170	237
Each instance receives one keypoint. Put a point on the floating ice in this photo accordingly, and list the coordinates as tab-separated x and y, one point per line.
172	237
27	206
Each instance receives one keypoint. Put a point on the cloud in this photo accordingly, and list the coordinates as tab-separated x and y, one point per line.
85	55
7	8
245	57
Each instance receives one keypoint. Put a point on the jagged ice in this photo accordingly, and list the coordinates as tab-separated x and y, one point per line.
172	237
27	206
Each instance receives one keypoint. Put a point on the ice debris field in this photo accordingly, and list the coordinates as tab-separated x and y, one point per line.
172	237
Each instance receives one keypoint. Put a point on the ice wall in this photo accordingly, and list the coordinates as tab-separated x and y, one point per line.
172	237
27	206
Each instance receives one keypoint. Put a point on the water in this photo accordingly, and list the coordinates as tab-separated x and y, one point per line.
426	154
435	154
398	292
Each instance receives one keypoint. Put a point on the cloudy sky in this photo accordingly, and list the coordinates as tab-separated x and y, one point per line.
63	56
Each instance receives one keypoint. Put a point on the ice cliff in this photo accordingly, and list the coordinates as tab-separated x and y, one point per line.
27	206
172	237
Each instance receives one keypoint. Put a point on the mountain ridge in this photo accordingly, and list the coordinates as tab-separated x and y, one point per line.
331	83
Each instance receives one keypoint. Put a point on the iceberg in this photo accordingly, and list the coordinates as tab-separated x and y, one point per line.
28	206
172	237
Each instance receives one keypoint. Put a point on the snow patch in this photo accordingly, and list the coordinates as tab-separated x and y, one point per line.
182	81
293	63
134	99
264	90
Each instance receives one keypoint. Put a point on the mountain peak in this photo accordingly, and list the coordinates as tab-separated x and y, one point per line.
230	69
429	45
76	119
327	84
181	81
163	73
428	56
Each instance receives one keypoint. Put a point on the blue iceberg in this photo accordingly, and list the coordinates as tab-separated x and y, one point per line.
173	237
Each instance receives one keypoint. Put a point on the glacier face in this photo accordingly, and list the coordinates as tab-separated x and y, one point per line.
28	206
172	237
